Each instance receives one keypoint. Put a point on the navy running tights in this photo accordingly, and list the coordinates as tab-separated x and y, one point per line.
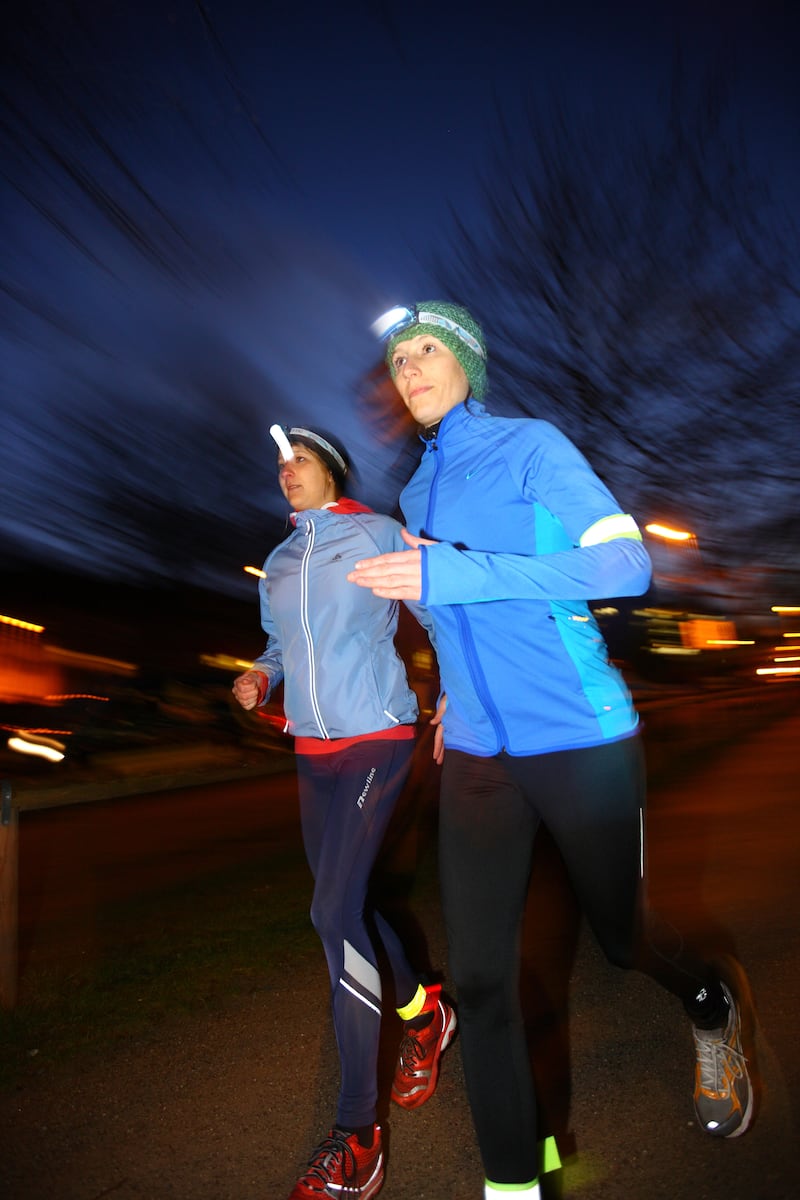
346	801
592	802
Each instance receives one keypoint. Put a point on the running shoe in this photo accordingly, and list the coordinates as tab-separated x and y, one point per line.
341	1167
417	1068
723	1094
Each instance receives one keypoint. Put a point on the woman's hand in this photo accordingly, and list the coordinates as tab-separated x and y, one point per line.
438	737
246	688
395	576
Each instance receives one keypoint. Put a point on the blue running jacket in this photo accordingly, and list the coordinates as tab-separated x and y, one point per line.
526	535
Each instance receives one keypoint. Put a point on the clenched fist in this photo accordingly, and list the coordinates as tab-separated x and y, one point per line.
246	688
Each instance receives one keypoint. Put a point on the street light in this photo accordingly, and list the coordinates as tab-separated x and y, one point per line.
17	624
256	571
669	534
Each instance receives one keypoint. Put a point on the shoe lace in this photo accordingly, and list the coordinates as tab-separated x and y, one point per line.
411	1051
334	1151
717	1060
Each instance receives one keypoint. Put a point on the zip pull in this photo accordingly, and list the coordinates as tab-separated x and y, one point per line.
430	435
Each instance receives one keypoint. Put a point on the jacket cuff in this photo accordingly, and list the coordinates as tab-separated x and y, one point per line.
263	687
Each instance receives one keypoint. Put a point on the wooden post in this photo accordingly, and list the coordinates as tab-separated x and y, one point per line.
9	868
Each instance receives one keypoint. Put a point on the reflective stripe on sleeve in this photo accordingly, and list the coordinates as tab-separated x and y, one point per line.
621	525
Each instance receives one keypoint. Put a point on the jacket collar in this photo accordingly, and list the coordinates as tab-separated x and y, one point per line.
457	418
343	505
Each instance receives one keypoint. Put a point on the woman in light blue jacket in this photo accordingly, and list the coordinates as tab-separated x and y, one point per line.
349	705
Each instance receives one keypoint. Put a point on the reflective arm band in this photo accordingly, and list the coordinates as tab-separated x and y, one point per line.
621	525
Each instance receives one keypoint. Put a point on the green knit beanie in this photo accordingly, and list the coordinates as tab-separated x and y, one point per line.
453	326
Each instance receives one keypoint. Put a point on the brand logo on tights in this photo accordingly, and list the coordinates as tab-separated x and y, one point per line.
367	785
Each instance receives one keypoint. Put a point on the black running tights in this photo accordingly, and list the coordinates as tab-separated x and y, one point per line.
592	802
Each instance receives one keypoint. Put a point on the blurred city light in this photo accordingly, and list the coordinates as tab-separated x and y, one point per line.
51	750
225	662
256	571
77	658
39	732
785	608
17	624
695	630
671	535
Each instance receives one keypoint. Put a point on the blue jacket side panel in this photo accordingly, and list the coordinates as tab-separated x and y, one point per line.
331	641
521	657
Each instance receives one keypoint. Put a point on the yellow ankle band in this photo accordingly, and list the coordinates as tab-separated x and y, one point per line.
415	1006
549	1158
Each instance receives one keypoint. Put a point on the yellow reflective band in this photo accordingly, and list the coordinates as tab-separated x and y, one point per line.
415	1006
621	525
549	1158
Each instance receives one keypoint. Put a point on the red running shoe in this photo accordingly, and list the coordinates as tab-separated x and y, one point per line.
417	1068
342	1168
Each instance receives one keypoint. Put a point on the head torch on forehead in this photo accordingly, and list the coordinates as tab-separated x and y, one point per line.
397	319
283	436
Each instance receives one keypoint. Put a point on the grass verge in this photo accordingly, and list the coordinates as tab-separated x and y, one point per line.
180	951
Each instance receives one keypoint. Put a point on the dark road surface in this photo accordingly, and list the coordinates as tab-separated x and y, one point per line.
226	1106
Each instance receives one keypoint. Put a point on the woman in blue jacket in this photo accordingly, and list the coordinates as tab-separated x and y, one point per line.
511	534
348	703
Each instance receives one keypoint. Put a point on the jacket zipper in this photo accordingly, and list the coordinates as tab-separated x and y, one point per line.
306	626
462	620
432	448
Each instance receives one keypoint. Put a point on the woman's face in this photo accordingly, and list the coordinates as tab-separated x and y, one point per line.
429	378
305	480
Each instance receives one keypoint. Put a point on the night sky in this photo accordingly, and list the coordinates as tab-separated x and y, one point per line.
205	206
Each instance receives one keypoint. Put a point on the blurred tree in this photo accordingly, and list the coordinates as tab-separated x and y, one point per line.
124	135
89	116
147	485
640	289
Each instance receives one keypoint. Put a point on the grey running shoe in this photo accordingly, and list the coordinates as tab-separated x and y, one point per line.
723	1095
